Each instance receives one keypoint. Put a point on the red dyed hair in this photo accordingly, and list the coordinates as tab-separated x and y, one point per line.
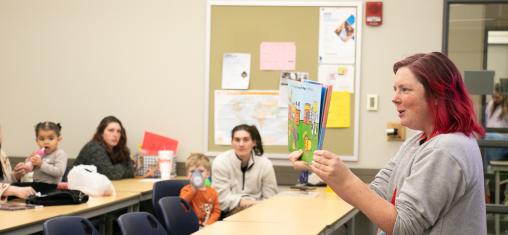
447	98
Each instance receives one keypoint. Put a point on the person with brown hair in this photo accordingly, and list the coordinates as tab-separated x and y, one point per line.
242	176
108	150
496	116
50	161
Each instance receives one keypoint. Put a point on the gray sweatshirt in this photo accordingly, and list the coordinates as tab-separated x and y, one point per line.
439	186
257	182
52	168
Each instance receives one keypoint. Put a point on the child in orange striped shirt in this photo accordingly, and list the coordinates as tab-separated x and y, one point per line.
203	198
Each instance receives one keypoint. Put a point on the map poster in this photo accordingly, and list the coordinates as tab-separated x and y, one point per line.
252	107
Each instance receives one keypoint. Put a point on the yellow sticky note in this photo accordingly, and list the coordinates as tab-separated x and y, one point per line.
342	70
340	110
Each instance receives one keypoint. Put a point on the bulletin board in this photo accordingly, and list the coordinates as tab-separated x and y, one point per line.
240	27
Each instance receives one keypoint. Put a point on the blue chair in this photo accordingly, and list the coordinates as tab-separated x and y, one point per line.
64	225
178	216
137	223
164	189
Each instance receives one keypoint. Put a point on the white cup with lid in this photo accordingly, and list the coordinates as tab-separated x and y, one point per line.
165	161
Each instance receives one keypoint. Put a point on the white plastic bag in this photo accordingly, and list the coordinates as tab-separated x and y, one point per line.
86	179
314	179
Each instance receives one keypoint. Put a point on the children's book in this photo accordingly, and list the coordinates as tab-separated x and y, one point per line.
307	114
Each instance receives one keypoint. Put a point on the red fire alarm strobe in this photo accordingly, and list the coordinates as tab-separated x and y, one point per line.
373	13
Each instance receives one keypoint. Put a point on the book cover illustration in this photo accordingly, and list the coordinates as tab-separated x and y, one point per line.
306	112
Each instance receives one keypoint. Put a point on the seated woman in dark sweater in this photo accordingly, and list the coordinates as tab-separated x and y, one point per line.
108	150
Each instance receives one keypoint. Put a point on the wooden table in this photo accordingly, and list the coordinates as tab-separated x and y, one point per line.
31	220
254	228
142	186
325	210
129	193
138	185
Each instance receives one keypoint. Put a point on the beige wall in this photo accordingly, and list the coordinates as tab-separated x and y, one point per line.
78	61
143	61
408	27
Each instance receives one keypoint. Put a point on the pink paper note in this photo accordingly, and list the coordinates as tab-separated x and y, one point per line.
277	56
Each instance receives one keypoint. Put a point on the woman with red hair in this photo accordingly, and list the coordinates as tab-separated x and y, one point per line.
434	184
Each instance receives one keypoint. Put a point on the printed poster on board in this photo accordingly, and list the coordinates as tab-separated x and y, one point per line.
337	35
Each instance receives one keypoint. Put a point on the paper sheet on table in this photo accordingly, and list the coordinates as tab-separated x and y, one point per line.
340	110
297	193
150	180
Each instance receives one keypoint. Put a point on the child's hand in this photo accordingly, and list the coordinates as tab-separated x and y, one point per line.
19	170
26	165
246	202
150	172
36	160
296	161
19	167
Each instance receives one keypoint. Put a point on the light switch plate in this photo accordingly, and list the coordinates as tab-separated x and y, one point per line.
372	100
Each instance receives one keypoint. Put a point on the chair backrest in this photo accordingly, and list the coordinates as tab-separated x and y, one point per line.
74	225
162	189
143	223
178	216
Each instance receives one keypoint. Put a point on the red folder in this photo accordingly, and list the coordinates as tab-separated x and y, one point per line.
152	143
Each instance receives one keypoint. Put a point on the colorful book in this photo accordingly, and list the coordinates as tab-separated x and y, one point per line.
307	114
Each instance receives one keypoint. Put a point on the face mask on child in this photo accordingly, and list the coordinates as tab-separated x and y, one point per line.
197	179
